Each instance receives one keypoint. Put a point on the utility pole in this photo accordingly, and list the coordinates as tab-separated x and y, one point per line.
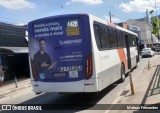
131	83
151	13
110	16
157	18
149	23
147	16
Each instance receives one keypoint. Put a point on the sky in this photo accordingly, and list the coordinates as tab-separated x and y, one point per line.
20	12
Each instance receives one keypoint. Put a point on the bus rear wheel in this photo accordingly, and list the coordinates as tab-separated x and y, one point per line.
122	79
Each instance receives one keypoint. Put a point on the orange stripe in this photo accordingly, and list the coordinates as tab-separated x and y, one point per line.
122	57
111	25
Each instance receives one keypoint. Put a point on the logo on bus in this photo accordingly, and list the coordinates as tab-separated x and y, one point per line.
70	42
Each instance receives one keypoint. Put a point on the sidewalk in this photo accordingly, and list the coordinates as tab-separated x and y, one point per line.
146	89
10	86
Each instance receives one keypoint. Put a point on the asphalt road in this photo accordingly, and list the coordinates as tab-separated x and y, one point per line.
84	102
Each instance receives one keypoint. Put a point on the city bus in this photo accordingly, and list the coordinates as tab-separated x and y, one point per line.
79	53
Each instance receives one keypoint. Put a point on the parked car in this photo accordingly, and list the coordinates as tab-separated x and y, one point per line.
147	52
156	46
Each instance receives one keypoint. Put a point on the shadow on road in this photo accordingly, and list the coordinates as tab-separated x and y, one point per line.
154	86
153	89
68	103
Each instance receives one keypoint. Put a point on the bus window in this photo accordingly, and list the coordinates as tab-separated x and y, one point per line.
119	39
102	37
135	42
123	39
96	33
107	37
113	40
132	41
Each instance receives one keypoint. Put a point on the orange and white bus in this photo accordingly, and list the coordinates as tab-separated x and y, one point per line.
88	53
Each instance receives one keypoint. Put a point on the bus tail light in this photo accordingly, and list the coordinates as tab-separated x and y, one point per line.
89	67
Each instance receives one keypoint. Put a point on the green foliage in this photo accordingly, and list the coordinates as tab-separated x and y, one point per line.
151	12
155	22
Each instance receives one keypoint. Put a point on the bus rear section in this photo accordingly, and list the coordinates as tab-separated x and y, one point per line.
60	54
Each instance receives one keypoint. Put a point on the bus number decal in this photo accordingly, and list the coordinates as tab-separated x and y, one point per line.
73	23
72	28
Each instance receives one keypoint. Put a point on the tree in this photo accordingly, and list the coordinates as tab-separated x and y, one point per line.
155	21
151	12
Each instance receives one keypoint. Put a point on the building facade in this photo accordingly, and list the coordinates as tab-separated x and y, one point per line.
145	29
13	50
12	36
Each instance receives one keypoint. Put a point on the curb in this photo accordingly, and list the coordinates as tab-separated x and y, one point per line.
14	90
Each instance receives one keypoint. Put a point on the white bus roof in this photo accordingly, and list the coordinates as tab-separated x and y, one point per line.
94	18
111	24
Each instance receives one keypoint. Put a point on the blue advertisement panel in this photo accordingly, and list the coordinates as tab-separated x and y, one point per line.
56	49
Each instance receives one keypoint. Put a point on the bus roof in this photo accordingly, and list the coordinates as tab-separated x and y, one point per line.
90	15
112	25
57	16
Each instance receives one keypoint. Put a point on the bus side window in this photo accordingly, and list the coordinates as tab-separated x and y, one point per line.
122	45
102	37
123	39
130	40
135	40
107	37
112	38
115	39
97	37
119	38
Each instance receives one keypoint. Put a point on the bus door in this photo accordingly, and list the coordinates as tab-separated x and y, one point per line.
128	51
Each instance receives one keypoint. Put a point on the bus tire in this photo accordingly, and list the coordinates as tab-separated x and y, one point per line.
122	79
